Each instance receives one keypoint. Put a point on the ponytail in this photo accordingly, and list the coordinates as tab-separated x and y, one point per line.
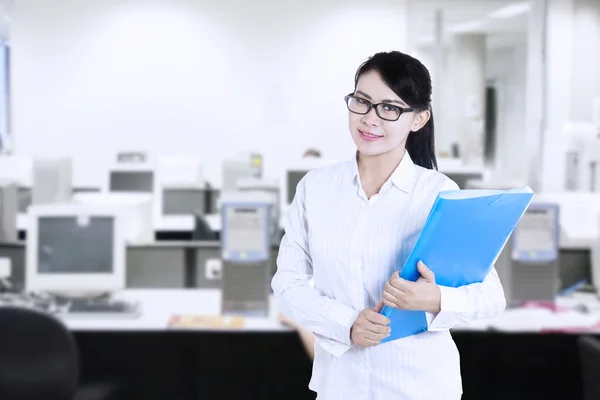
420	145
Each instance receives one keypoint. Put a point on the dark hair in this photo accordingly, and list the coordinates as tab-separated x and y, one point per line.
410	80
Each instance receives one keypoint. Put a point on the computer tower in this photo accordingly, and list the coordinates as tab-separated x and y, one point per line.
246	249
9	209
52	181
529	266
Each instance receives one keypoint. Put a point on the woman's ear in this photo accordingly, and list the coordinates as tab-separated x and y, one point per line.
420	120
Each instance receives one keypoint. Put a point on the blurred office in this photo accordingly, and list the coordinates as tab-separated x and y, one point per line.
150	150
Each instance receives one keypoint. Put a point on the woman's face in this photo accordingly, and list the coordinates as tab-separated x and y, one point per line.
372	134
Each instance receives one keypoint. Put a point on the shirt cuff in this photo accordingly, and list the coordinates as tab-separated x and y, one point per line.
342	318
453	303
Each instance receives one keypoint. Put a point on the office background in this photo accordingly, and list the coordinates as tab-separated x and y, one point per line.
516	102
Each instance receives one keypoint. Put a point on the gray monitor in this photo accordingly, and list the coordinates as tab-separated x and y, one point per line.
184	201
131	181
65	246
293	178
8	211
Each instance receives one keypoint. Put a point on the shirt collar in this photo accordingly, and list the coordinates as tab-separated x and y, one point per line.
403	176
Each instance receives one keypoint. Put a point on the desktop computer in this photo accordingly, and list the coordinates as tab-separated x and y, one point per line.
245	241
529	265
137	215
182	185
137	178
8	211
52	181
271	188
233	171
76	254
76	249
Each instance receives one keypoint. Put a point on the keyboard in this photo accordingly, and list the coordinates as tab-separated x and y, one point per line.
82	306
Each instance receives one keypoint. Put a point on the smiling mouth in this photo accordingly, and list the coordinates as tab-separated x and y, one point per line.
369	136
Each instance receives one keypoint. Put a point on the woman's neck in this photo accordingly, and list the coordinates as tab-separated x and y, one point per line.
374	171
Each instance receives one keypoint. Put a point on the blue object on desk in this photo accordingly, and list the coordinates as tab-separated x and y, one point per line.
464	234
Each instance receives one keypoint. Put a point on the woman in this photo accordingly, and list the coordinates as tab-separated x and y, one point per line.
350	226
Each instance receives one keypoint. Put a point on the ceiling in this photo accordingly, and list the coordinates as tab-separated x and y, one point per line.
468	16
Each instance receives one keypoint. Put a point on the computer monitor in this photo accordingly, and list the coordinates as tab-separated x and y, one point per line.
8	211
137	178
75	249
138	215
294	176
180	171
131	181
184	201
52	181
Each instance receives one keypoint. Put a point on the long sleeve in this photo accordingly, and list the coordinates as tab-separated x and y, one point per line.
330	320
469	303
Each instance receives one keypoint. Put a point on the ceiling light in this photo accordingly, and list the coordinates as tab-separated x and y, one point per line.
512	10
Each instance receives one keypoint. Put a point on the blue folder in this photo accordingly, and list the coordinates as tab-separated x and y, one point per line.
465	232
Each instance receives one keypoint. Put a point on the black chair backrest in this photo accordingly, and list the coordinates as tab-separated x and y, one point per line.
38	356
589	356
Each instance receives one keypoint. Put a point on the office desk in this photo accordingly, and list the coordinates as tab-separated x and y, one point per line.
158	305
261	361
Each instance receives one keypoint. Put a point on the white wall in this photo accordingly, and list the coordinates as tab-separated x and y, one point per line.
210	78
586	64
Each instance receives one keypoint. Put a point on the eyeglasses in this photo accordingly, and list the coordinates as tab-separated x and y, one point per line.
384	111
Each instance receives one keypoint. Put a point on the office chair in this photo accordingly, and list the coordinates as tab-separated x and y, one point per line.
39	359
202	230
589	358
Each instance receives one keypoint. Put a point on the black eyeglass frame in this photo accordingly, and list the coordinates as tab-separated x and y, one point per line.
371	105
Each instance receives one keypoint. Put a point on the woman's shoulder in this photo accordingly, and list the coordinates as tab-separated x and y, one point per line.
327	174
434	180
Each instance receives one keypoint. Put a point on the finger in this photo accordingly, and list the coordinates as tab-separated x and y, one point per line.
392	291
425	272
395	304
401	284
377	318
374	329
376	337
395	301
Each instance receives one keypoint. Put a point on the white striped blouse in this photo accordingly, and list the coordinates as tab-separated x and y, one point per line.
350	246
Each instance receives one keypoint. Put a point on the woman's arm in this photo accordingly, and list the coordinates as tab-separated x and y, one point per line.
469	303
330	320
306	337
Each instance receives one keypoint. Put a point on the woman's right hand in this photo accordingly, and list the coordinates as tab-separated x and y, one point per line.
370	327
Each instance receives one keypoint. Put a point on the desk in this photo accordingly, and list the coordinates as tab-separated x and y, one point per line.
157	307
262	361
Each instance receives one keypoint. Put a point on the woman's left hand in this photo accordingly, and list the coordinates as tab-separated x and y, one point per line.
423	294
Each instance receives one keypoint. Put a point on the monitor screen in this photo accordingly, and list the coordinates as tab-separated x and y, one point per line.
131	181
183	201
74	245
246	229
293	178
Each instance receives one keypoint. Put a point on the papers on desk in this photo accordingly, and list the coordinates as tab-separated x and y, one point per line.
567	315
207	322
